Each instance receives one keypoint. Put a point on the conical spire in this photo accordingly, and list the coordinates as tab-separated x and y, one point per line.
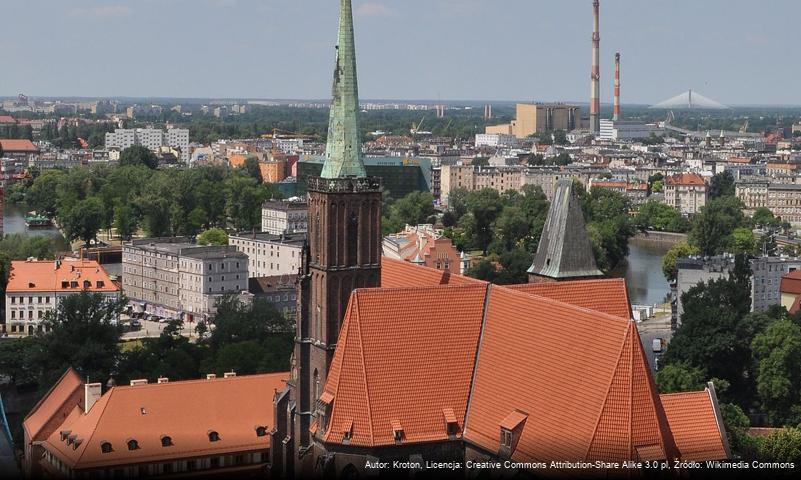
565	251
344	149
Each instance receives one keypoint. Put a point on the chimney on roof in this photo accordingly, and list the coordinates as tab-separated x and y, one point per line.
211	376
91	394
229	374
163	380
141	381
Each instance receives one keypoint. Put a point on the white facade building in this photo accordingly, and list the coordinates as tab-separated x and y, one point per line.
270	255
151	138
495	140
279	216
625	130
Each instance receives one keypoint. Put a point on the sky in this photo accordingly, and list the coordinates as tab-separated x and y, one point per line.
734	51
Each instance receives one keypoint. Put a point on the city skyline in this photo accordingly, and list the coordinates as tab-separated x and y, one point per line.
458	50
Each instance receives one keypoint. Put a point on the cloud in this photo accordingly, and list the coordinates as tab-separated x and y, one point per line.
102	11
372	9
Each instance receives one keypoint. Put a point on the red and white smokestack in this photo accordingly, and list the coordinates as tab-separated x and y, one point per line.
595	76
616	107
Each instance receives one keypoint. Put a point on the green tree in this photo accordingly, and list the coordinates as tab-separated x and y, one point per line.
782	446
680	377
764	217
80	333
658	186
677	251
743	241
655	215
721	185
84	220
712	228
213	236
125	221
15	361
40	196
737	424
777	351
413	209
139	155
253	169
484	205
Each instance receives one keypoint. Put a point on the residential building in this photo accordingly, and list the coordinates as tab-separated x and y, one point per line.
534	118
784	200
18	149
686	192
753	194
495	140
280	291
152	139
766	279
790	290
281	216
175	278
695	270
270	255
37	287
636	192
423	245
217	427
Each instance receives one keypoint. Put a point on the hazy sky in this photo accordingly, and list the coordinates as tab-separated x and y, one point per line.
734	51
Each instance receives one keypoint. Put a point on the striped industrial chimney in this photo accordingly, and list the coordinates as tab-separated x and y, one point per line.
595	76
616	107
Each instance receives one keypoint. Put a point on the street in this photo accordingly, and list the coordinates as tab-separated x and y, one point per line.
655	327
153	329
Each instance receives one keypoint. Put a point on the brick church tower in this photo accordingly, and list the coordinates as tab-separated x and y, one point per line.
343	253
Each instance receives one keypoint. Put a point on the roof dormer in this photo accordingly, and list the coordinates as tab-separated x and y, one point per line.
511	429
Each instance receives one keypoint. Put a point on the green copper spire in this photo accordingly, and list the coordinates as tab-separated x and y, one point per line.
343	153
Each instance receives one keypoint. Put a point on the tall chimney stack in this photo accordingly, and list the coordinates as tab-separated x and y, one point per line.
595	76
616	108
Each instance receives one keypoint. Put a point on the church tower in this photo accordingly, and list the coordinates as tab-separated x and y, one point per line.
343	249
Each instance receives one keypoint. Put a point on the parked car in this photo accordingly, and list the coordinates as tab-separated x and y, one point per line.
657	345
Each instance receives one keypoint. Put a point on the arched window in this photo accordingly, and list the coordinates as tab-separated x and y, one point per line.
261	431
214	436
353	239
166	441
105	447
133	444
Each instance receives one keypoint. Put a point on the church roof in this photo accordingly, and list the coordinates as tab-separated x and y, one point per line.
398	273
343	151
501	354
694	423
565	250
607	295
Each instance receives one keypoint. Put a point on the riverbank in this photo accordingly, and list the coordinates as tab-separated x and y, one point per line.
664	238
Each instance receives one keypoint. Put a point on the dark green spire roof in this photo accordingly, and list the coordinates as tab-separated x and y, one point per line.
565	250
344	149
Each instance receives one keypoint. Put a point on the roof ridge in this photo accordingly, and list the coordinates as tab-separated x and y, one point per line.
149	384
606	397
484	315
342	339
630	397
364	366
49	391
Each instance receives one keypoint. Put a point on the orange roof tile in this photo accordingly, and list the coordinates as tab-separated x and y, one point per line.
43	276
513	420
233	407
18	145
7	119
791	282
397	273
393	366
582	407
685	179
607	295
48	408
695	427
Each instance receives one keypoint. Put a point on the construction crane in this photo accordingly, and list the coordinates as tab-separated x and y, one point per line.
744	128
416	129
278	133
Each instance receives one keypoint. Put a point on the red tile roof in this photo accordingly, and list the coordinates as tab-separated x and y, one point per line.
607	295
185	411
791	282
48	408
685	179
7	119
22	146
397	365
397	273
43	276
695	427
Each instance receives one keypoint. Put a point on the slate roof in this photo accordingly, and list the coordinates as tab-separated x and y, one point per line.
565	250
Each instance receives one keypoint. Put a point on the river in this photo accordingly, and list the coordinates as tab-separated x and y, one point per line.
14	222
643	272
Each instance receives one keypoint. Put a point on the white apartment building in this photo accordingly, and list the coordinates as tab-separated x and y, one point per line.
625	130
270	255
495	140
686	192
36	288
174	278
280	216
151	138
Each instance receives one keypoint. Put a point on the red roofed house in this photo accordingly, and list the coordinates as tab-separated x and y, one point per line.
18	149
790	289
212	427
687	192
422	245
36	287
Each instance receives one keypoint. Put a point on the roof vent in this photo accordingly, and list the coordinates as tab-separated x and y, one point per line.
229	374
163	380
397	430
211	376
141	381
31	285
